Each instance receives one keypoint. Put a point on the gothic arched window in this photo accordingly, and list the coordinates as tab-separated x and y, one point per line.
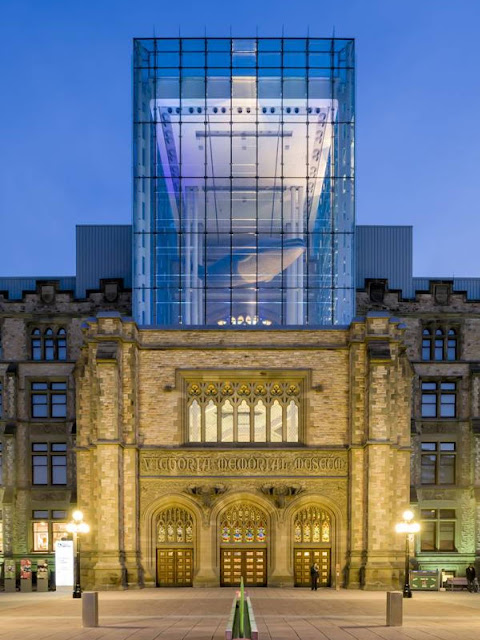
244	411
48	343
243	523
312	525
174	526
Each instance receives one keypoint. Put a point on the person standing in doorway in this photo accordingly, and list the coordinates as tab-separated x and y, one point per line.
314	572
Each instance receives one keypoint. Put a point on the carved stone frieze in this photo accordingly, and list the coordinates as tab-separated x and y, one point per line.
282	494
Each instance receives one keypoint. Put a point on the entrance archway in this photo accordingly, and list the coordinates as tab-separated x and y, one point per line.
312	538
244	533
175	547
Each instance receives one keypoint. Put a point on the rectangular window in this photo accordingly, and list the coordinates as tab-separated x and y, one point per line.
438	530
48	529
49	399
439	343
439	399
438	461
49	463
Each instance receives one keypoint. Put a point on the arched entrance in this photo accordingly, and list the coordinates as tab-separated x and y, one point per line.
243	545
312	537
175	536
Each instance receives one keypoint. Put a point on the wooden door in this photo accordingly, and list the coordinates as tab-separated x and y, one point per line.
174	567
249	563
303	560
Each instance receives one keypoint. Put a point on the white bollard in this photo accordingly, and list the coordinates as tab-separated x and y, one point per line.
394	608
90	608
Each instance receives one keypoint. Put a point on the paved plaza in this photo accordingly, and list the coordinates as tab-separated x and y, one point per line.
201	614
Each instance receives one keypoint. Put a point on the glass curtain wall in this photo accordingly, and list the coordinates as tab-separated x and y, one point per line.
243	182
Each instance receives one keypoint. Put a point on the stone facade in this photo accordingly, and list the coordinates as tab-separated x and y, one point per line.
135	461
43	309
457	493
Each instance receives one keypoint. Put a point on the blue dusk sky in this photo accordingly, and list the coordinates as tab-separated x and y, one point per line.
65	115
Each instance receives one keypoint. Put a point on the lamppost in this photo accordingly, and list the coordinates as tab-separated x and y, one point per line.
76	527
408	527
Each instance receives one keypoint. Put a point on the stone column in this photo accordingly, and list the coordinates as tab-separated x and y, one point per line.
281	574
205	575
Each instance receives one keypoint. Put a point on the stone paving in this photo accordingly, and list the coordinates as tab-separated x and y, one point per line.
201	614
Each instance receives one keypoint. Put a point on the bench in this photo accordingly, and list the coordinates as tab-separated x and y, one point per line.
462	583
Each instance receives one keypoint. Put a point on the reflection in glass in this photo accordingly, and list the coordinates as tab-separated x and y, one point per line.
243	161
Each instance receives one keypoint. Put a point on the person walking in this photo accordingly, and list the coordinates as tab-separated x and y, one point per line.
471	578
314	573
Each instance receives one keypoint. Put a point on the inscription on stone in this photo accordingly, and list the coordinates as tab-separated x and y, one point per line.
251	463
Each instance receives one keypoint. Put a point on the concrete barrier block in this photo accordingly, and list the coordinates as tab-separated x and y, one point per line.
90	608
394	609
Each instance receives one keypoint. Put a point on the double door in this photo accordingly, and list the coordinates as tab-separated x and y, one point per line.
303	561
174	567
249	563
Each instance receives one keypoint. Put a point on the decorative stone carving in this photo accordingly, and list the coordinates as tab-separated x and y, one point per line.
206	495
281	494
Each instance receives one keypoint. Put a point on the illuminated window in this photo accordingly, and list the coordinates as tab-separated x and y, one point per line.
48	343
48	528
439	343
174	526
243	523
437	530
242	411
312	525
438	461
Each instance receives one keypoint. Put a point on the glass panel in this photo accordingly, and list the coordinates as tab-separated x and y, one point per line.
40	536
59	532
40	469
59	405
59	515
211	422
57	386
194	422
428	469
276	422
447	446
428	535
447	407
428	514
448	386
447	469
429	406
260	414
447	514
447	536
59	470
58	446
429	446
292	422
39	446
243	417
227	421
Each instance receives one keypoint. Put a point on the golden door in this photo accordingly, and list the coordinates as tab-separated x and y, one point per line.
174	567
249	563
304	559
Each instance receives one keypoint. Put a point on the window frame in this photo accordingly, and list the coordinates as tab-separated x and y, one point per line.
439	393
219	378
49	520
48	344
436	341
50	454
49	393
438	453
437	520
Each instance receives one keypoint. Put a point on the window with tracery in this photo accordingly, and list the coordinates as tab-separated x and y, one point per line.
312	525
175	526
243	523
244	410
439	342
48	344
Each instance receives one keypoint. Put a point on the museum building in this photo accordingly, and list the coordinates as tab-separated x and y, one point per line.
239	401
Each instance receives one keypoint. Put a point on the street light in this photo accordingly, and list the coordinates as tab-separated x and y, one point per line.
408	527
77	527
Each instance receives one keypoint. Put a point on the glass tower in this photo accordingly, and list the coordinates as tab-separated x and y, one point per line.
243	181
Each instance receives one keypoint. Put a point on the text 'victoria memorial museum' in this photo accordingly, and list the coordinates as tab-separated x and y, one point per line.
243	382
